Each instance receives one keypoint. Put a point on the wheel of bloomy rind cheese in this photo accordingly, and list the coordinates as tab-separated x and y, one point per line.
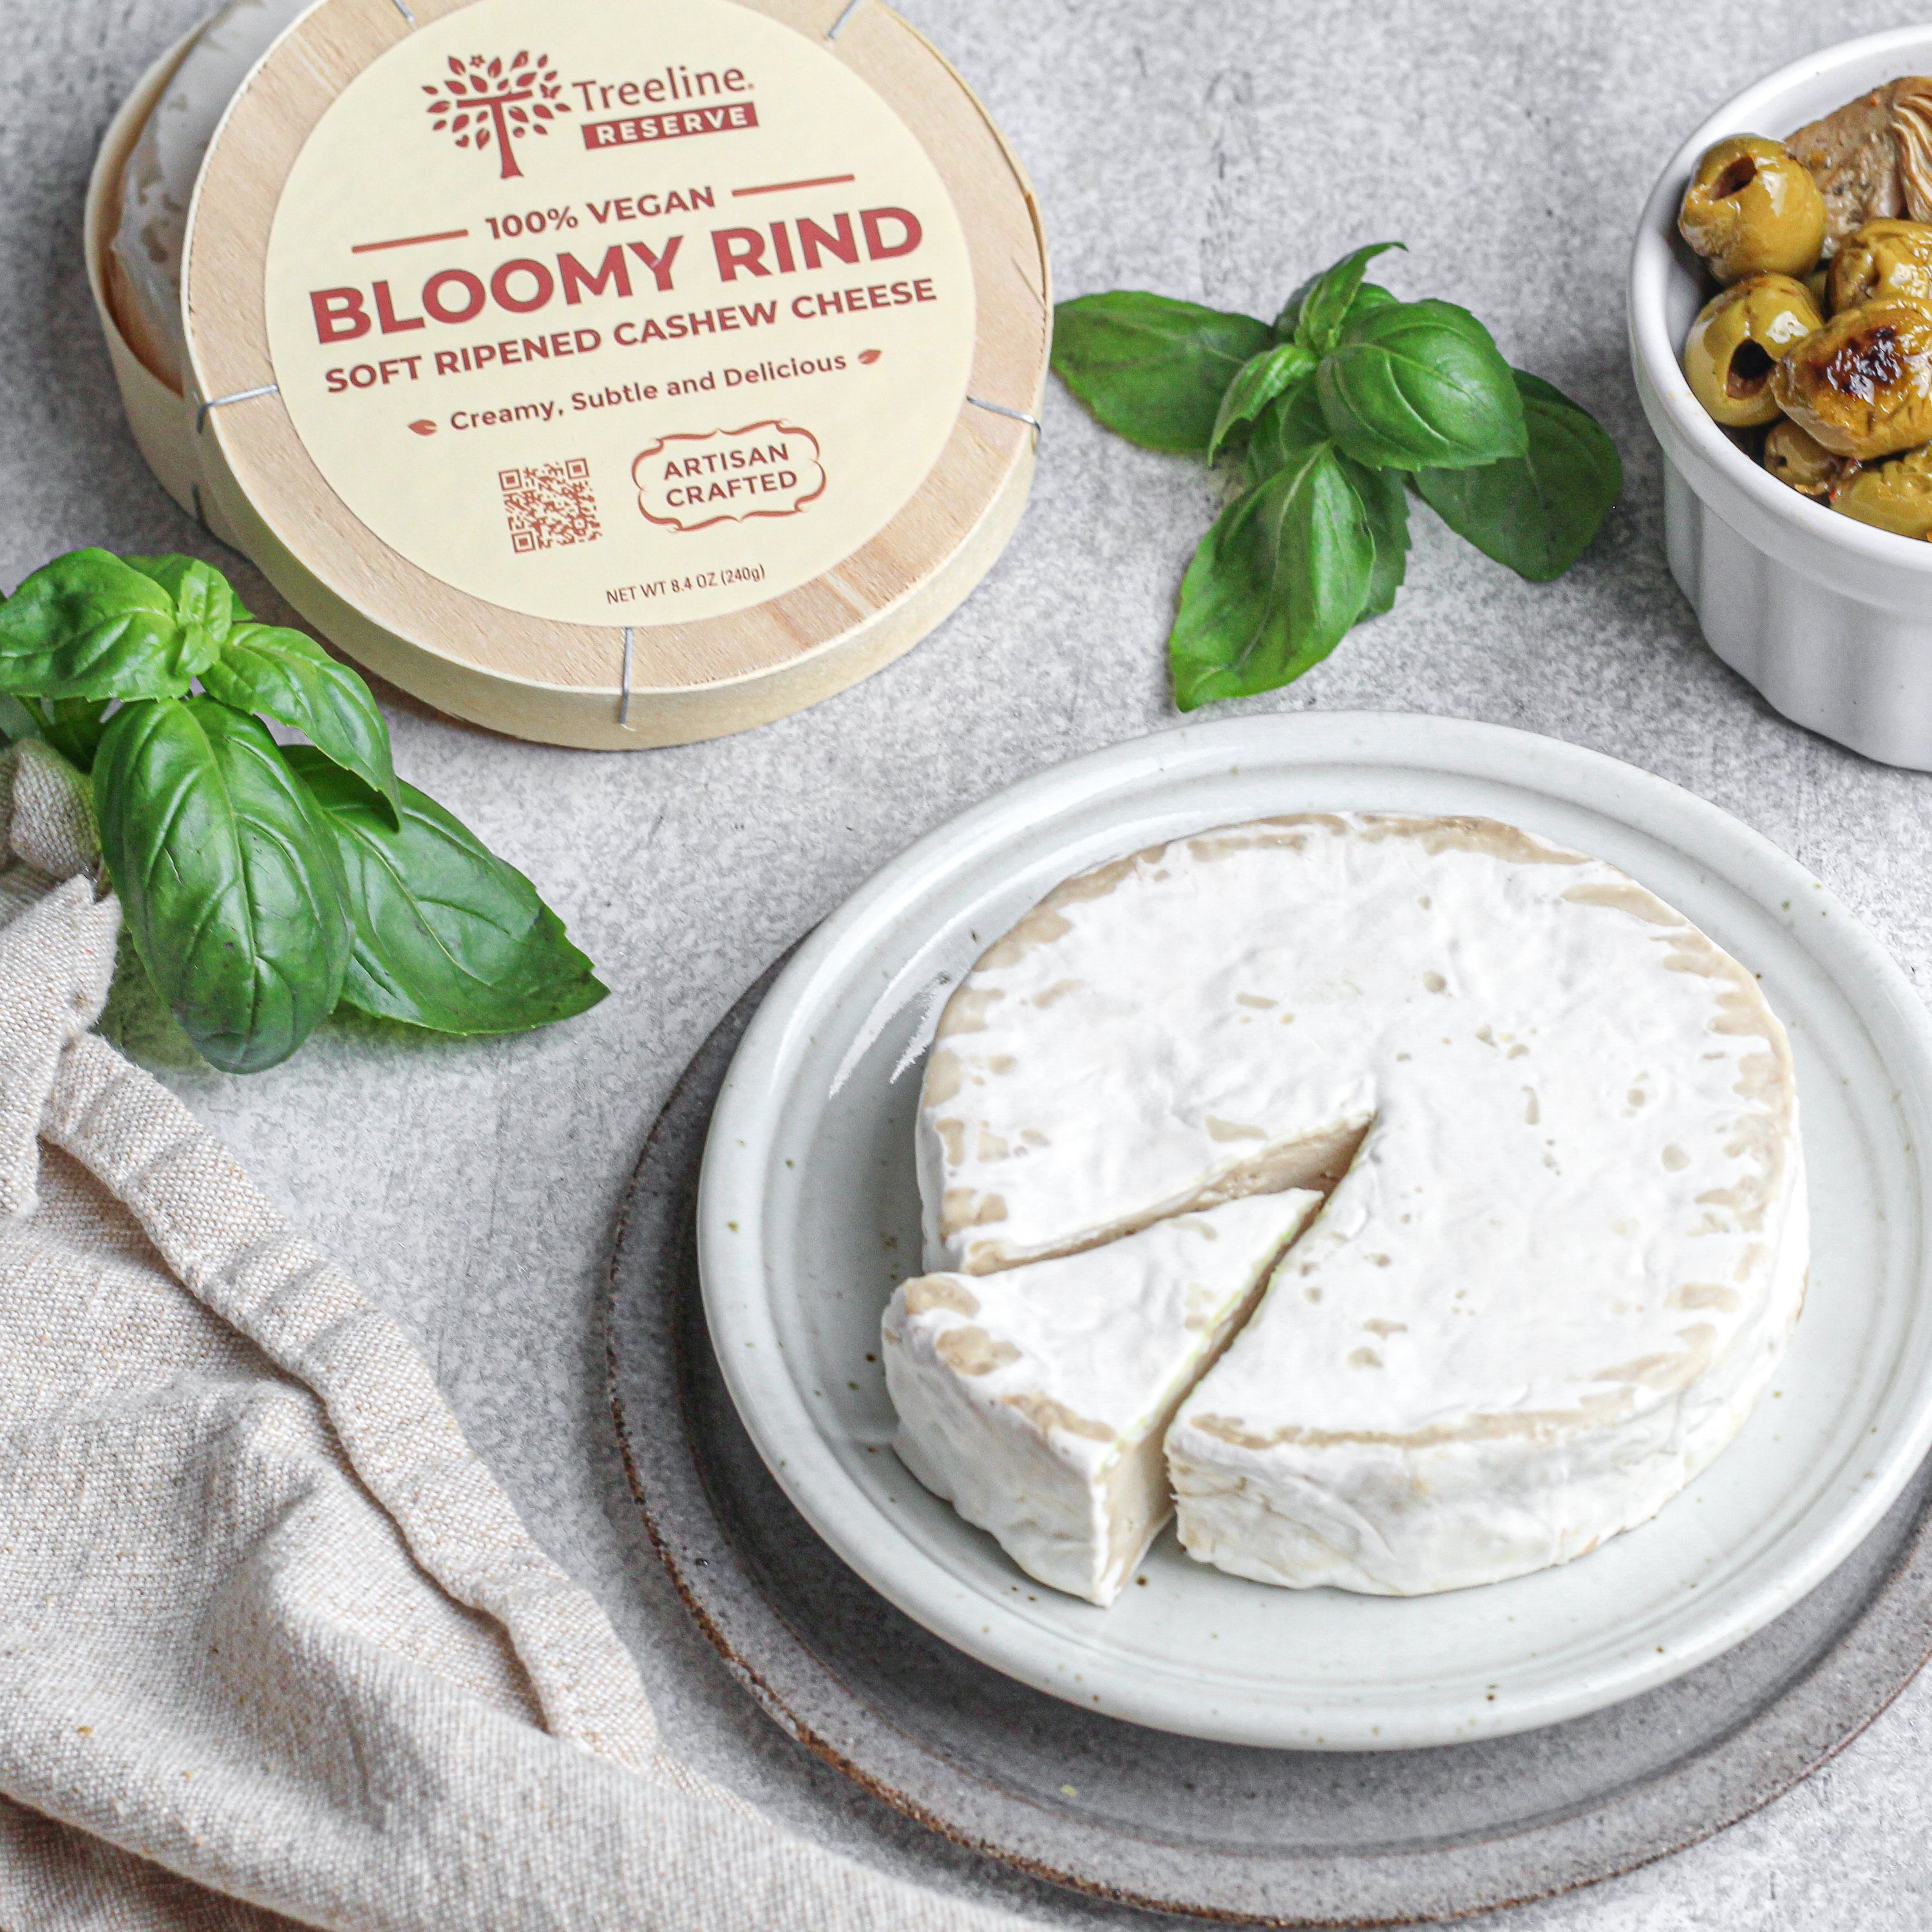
1563	1247
607	376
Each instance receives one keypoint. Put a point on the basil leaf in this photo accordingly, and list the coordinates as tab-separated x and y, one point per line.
1316	312
1285	432
1152	369
290	678
448	935
1384	496
229	878
88	625
1537	512
1262	378
1293	425
1276	584
1421	385
72	726
204	604
1370	295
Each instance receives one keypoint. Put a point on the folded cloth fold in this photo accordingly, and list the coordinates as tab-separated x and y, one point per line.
274	1647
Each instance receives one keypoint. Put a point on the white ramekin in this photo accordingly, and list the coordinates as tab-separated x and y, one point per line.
1831	620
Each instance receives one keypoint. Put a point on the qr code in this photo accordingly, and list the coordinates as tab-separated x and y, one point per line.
549	504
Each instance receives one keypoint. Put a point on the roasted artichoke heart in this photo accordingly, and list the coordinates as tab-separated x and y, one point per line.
1883	259
1862	384
1752	209
1895	495
1801	462
1872	158
1736	341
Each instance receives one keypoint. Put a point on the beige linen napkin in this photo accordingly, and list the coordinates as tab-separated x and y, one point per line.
274	1646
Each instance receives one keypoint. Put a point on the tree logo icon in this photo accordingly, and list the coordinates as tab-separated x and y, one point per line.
486	100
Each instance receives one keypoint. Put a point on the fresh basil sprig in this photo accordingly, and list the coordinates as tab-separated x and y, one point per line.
265	884
1350	399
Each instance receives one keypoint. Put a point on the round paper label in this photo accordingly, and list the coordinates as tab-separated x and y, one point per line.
616	314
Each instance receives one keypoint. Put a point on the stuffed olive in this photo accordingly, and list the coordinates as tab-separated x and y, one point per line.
1883	259
1862	384
1800	461
1737	341
1895	495
1752	209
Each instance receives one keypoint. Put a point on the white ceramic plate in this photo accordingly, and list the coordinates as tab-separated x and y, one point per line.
808	1215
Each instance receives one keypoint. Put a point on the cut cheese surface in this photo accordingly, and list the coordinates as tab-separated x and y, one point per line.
1037	1400
1565	1243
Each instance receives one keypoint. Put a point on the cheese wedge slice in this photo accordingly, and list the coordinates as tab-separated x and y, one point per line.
1564	1243
1036	1401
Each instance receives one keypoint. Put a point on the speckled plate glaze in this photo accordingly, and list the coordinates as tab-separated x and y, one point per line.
808	1214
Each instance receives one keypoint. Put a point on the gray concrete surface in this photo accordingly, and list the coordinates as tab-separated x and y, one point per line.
1220	152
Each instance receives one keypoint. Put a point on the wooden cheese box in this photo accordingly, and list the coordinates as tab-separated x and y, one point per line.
609	378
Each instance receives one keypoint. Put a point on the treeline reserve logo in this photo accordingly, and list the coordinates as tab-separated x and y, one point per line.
487	102
764	470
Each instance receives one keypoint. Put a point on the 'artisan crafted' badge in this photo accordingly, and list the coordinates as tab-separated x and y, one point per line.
765	469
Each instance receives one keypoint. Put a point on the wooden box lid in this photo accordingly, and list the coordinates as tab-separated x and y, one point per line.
613	376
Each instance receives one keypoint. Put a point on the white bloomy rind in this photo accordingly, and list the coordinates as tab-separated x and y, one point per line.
1405	1517
1036	1401
1567	1245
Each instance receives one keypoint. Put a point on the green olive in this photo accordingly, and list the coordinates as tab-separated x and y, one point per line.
1882	260
1797	458
1752	208
1862	385
1736	341
1895	495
